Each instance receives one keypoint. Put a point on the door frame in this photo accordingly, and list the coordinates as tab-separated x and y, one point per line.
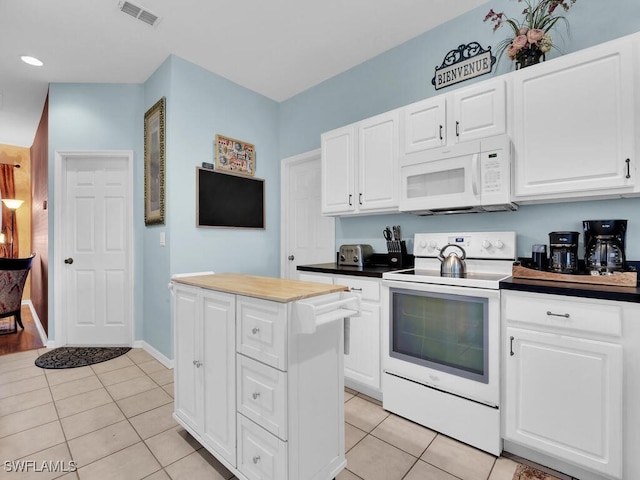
285	221
61	158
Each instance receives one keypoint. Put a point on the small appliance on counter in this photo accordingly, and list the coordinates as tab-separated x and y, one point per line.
563	252
354	255
539	257
395	246
604	246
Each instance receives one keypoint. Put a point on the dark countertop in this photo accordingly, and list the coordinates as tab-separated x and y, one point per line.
600	292
375	267
333	268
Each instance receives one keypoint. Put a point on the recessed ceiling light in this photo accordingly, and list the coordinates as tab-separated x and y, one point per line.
31	60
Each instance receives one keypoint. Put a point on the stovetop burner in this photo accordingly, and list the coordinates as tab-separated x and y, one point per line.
488	256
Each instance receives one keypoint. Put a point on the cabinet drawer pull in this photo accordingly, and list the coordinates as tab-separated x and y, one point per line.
255	330
354	289
256	459
255	395
551	314
628	162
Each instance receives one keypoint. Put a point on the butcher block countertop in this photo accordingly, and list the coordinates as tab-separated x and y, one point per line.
266	288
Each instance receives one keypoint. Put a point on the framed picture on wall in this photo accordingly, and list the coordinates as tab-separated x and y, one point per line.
235	156
154	164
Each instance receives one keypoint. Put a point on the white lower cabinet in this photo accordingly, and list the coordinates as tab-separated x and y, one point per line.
205	359
265	400
362	364
563	388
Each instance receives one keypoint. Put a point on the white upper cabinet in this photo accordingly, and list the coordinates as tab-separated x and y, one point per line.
338	170
574	125
465	114
360	172
479	111
423	125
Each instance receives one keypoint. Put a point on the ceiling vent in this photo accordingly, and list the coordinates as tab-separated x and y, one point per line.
139	13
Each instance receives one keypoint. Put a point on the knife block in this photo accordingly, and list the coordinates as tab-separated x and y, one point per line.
397	253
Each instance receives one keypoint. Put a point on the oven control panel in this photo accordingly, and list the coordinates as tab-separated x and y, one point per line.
480	245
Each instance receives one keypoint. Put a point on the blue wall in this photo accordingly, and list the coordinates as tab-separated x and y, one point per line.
201	104
403	75
96	117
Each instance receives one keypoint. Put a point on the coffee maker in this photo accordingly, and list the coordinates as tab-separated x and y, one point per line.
604	244
563	252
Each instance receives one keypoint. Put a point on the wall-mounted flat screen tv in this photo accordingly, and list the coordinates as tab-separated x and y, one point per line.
229	200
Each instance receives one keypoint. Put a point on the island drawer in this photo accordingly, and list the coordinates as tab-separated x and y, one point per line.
262	331
261	455
262	395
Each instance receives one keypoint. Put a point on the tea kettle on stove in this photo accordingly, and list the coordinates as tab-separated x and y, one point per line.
452	265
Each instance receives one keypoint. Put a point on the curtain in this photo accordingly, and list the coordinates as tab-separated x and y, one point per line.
8	190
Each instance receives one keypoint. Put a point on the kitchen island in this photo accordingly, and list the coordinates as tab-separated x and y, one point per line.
259	372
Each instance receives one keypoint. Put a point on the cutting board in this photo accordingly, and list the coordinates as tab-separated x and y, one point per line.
620	279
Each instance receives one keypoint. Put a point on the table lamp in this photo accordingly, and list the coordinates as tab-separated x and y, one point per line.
12	204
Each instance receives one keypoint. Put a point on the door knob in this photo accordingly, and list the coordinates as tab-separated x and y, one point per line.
291	257
68	261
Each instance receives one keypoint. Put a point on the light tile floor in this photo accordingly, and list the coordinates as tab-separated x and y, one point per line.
113	419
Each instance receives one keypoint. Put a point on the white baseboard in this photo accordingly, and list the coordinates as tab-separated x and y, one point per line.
36	320
153	352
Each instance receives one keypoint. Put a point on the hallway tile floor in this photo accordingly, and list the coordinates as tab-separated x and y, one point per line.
113	421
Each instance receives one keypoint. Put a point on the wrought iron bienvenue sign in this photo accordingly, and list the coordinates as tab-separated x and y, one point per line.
463	63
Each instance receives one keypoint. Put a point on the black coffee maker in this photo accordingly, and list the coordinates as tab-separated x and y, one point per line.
604	243
563	252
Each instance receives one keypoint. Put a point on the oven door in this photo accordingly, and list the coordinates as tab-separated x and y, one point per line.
444	337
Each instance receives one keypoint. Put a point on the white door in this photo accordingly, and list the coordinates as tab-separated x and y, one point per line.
308	237
93	249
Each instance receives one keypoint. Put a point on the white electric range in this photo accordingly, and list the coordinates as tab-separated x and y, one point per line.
441	362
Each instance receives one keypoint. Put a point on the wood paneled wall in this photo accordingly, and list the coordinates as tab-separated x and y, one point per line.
40	218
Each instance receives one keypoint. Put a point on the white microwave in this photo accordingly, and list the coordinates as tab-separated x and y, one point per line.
467	177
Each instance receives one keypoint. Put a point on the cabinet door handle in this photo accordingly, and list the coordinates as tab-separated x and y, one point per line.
511	339
440	132
350	202
551	314
256	459
360	198
255	330
197	363
628	162
255	395
457	128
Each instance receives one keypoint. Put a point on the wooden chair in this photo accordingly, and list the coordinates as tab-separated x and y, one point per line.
13	275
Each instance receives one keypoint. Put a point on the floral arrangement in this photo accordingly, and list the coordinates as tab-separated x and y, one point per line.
531	39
